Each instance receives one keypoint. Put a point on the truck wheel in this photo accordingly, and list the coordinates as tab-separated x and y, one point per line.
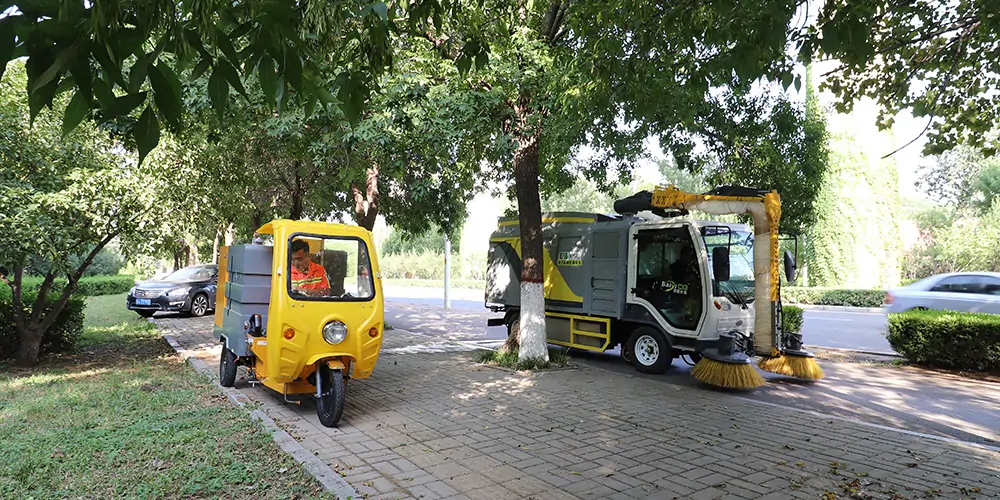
227	368
330	403
650	351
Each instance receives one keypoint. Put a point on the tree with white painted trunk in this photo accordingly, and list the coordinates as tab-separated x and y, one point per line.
557	75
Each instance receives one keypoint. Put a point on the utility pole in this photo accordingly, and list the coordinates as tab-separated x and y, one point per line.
447	271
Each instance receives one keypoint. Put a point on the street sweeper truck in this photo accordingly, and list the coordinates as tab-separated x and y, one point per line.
659	284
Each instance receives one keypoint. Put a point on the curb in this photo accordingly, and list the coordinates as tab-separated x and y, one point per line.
812	307
860	351
330	479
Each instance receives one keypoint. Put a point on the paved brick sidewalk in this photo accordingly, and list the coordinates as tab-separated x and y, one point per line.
435	425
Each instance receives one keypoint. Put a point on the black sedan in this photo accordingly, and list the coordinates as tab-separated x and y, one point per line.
189	290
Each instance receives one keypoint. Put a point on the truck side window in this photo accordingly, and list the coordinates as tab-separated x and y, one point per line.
668	275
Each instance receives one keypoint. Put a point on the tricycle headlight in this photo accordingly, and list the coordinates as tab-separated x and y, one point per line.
334	332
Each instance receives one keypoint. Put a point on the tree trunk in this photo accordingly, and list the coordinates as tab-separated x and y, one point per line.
532	343
29	343
231	234
215	244
366	204
296	212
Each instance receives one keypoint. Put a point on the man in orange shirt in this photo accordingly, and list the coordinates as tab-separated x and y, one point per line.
308	277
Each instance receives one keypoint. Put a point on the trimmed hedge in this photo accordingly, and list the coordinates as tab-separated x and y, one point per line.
833	296
947	339
61	337
89	286
791	319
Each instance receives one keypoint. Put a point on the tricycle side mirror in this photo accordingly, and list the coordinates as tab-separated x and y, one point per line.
720	263
790	266
254	326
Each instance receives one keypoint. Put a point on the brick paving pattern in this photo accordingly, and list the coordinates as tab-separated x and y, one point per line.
432	424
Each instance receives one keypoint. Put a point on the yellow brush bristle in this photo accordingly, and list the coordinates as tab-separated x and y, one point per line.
793	366
728	375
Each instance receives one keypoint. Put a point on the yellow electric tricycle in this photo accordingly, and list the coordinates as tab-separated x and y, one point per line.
303	314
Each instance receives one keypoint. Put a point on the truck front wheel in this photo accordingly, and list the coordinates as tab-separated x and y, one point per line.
650	351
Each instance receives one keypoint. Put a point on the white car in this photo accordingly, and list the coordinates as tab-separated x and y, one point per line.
963	292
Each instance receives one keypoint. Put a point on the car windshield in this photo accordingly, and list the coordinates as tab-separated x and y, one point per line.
197	273
741	278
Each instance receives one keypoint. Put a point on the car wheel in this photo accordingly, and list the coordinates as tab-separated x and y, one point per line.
199	305
651	353
145	314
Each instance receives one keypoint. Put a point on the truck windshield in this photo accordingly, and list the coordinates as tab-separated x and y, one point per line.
739	287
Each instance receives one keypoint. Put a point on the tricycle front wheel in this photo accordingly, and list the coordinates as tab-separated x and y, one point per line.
331	395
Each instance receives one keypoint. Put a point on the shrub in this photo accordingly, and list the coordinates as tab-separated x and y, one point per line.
430	266
833	296
791	319
946	339
61	337
90	286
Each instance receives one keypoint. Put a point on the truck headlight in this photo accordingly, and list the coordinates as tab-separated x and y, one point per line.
334	332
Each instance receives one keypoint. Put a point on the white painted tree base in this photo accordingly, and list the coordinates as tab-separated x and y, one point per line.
532	322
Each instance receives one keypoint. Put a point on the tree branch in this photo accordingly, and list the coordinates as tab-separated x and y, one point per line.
73	279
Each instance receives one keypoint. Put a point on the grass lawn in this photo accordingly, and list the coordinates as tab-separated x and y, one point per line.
125	417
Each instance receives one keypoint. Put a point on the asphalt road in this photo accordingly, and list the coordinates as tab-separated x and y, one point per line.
905	398
820	328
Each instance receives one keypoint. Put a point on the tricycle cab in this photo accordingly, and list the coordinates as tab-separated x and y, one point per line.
323	313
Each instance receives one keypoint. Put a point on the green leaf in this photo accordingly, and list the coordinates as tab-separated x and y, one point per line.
146	133
76	111
292	69
268	80
218	90
226	46
798	83
482	59
381	9
201	68
6	41
103	92
138	73
54	70
310	107
125	104
351	99
166	93
232	76
464	64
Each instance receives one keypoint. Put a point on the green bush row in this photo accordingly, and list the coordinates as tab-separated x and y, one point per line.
62	336
832	296
89	286
791	319
946	339
430	266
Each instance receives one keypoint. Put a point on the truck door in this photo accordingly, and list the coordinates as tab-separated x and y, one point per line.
668	276
606	280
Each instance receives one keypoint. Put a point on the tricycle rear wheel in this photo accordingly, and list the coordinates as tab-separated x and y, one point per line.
227	368
332	394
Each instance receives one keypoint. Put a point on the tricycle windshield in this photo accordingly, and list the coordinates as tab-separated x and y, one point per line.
329	268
